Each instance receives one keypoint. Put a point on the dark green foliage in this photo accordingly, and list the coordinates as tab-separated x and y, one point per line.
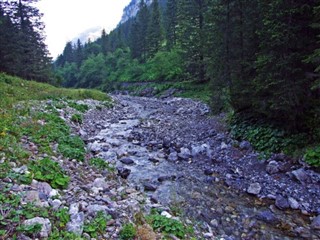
312	156
49	171
128	231
22	49
155	31
72	147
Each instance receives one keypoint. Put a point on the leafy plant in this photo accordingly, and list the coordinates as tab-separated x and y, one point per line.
128	231
97	224
49	171
167	225
30	229
62	216
312	156
100	164
72	147
265	138
77	118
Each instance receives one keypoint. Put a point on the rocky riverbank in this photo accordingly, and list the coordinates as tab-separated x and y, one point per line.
171	155
179	155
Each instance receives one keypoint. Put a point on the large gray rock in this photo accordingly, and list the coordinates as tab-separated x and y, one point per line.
282	203
100	183
74	208
56	203
267	216
127	161
46	226
76	223
301	175
272	167
184	153
33	197
245	145
316	223
123	172
293	203
254	188
44	188
93	209
173	156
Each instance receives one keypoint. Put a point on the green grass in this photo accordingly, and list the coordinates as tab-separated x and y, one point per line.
14	89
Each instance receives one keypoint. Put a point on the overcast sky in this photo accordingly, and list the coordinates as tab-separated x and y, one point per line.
65	20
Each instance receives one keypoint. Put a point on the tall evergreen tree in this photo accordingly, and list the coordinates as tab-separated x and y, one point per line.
155	30
138	36
190	36
171	23
30	59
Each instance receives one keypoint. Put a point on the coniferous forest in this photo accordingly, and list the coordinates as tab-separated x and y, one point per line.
260	58
22	48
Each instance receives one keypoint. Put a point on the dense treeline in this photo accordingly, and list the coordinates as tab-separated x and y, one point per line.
262	57
22	49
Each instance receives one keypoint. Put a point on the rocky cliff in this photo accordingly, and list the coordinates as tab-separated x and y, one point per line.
132	9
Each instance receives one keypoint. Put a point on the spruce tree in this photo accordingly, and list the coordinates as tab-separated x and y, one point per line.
171	23
155	30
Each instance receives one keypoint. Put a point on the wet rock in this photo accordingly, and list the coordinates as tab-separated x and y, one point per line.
149	187
184	153
123	172
154	199
154	159
198	150
208	171
166	178
76	223
267	216
282	203
301	176
293	203
46	226
127	161
173	156
95	147
223	146
316	223
272	167
254	188
245	145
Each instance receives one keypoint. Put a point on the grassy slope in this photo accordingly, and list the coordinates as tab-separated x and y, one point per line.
17	122
13	89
